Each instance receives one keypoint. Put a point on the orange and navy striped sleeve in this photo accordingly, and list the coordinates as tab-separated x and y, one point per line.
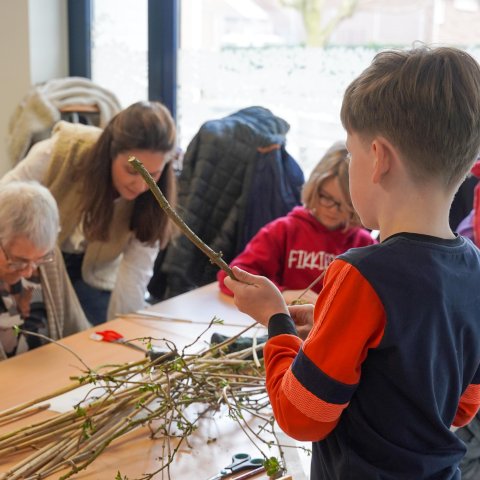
310	384
468	406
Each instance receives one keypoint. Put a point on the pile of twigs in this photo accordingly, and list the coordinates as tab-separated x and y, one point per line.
154	393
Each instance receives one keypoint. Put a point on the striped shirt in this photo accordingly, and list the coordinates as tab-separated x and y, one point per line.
391	363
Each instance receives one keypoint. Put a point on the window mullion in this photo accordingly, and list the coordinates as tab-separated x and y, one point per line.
163	27
80	38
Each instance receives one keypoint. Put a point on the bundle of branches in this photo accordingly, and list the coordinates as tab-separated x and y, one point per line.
156	393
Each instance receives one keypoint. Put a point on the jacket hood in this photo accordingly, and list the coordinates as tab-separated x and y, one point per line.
476	168
302	213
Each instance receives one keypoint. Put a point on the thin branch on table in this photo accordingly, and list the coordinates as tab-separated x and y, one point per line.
19	330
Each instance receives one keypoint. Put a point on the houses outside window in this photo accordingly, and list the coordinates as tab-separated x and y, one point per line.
297	63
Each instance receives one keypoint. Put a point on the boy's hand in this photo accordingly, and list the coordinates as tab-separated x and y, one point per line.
303	317
256	296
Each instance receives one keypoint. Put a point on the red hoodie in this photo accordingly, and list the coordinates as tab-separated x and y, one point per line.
293	250
476	206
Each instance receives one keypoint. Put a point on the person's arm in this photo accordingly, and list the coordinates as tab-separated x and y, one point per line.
256	296
263	255
310	384
74	317
34	166
134	273
65	314
469	403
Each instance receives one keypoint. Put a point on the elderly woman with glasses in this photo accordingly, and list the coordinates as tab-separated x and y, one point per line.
35	291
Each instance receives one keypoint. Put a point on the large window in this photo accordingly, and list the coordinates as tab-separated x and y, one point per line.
295	58
119	53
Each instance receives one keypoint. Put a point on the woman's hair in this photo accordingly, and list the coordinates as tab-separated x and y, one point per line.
333	164
141	126
28	210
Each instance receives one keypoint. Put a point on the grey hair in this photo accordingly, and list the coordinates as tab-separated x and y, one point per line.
28	210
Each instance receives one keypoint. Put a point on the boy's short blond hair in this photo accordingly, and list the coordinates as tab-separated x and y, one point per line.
333	164
426	102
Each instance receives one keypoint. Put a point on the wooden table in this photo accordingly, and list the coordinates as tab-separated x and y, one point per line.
41	371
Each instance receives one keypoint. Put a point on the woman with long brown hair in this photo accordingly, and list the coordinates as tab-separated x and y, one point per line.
111	226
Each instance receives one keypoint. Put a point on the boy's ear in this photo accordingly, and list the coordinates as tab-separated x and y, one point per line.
383	152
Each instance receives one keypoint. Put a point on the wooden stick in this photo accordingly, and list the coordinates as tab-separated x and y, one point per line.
146	315
23	406
250	473
313	284
42	456
24	413
214	257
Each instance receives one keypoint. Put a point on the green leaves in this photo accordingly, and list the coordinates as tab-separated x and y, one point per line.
88	429
272	466
80	411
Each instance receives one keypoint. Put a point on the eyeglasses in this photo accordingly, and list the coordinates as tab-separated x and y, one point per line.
17	264
327	201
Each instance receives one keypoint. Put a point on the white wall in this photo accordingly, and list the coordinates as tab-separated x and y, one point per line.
33	49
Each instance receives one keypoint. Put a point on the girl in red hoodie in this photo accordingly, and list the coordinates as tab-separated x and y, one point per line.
294	250
470	226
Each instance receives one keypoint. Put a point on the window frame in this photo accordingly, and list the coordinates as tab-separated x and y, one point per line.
163	40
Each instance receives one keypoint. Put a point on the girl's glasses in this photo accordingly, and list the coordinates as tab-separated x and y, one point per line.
16	264
327	201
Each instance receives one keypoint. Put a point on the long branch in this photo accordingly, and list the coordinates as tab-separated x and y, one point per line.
215	257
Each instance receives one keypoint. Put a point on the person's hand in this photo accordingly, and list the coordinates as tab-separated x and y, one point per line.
256	296
308	297
303	317
23	300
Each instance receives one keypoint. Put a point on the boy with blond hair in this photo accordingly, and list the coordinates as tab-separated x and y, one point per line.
392	357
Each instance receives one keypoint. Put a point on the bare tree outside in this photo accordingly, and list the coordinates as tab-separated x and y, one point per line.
318	28
294	57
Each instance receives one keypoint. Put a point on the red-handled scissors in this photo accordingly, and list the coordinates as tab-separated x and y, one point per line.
112	336
153	354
